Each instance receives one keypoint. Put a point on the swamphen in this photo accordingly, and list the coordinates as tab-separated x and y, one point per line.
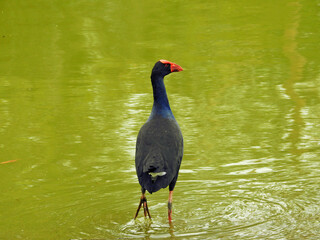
159	147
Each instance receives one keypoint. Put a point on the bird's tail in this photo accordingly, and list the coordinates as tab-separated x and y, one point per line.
154	175
154	166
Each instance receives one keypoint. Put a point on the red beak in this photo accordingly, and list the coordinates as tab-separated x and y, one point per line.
174	67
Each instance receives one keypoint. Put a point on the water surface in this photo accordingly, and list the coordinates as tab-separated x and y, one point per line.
75	89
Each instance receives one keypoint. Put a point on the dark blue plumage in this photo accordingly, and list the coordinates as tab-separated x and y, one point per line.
159	147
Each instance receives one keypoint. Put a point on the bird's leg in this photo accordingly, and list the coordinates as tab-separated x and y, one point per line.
145	208
143	201
170	206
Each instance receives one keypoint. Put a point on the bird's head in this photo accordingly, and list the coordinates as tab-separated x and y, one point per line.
164	67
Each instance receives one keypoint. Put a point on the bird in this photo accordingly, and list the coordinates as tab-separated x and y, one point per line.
159	145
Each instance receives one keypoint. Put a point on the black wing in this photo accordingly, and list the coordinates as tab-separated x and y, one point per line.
159	149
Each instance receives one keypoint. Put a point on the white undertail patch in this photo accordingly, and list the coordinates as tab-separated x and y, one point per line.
157	174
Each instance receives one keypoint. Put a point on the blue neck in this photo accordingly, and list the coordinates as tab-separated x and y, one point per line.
161	105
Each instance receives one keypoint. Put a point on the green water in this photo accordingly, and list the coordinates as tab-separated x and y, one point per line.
75	89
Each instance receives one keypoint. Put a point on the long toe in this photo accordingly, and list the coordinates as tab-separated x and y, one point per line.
138	209
146	209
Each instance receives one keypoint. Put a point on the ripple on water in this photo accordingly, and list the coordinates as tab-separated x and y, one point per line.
230	209
206	215
253	205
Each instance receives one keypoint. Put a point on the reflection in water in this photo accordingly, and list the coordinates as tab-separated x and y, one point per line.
136	115
147	229
297	63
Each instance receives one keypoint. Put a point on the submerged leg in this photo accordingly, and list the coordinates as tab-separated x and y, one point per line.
170	206
143	201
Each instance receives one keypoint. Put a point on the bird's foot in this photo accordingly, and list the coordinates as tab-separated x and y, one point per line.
143	201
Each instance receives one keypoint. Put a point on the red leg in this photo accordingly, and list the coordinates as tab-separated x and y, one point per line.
170	206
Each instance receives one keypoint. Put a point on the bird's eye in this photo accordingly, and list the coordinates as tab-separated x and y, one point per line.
166	65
